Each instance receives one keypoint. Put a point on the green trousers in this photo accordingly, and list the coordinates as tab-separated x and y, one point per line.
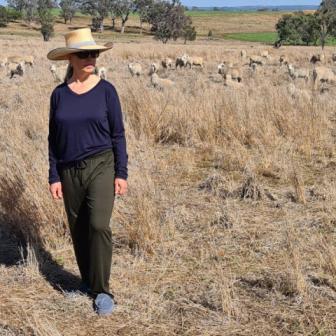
88	193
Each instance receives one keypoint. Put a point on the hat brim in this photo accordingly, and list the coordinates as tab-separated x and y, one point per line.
60	54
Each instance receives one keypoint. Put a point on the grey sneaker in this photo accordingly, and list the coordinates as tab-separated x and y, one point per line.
83	289
104	304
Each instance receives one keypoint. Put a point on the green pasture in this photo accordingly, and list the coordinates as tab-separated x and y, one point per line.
267	37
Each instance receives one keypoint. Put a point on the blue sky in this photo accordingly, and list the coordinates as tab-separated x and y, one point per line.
219	3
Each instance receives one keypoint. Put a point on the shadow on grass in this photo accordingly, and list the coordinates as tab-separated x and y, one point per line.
20	231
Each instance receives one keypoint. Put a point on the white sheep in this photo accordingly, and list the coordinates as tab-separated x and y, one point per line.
264	53
3	60
16	69
28	60
135	69
257	59
181	61
58	72
235	73
229	82
323	75
193	61
243	53
14	59
160	82
298	72
317	58
156	66
333	57
296	93
258	69
101	71
166	63
283	60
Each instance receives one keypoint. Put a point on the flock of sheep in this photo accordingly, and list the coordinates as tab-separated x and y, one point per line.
232	72
16	64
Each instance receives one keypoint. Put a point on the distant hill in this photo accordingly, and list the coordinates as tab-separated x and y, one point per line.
255	8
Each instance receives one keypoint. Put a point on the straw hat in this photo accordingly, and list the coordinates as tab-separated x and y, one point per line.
77	40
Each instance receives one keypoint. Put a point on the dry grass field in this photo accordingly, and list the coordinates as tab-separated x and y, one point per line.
228	226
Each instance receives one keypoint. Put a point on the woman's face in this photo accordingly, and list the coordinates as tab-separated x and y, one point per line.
83	65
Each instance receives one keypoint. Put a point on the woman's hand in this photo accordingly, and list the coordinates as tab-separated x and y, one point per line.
56	190
120	186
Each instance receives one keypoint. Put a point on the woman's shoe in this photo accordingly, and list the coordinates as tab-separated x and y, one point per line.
104	304
83	289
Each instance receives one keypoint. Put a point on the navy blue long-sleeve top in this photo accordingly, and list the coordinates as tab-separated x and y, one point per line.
81	125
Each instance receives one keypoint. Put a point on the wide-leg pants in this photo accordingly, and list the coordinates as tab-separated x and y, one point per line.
88	193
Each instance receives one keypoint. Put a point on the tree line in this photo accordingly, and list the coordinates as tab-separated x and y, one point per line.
166	19
305	28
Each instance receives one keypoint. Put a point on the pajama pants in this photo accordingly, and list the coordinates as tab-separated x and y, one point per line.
88	193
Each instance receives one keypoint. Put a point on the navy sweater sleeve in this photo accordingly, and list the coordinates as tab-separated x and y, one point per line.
82	125
53	174
117	132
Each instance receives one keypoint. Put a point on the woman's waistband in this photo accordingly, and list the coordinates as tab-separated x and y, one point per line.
102	153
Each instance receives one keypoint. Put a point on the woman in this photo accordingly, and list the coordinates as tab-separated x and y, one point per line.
88	160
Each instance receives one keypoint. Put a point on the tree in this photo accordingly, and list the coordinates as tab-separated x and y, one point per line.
216	9
142	7
326	18
99	9
3	16
47	27
309	29
69	9
45	18
24	6
122	9
288	27
189	33
8	14
19	5
168	19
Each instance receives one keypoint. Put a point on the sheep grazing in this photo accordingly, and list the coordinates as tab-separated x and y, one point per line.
101	71
179	63
323	75
317	58
160	82
135	69
264	53
3	61
298	72
235	73
167	63
58	72
333	57
257	59
296	93
16	69
156	66
229	82
283	60
193	61
14	59
243	53
258	69
28	60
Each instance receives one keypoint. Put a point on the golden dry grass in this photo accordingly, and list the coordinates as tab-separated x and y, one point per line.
228	227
